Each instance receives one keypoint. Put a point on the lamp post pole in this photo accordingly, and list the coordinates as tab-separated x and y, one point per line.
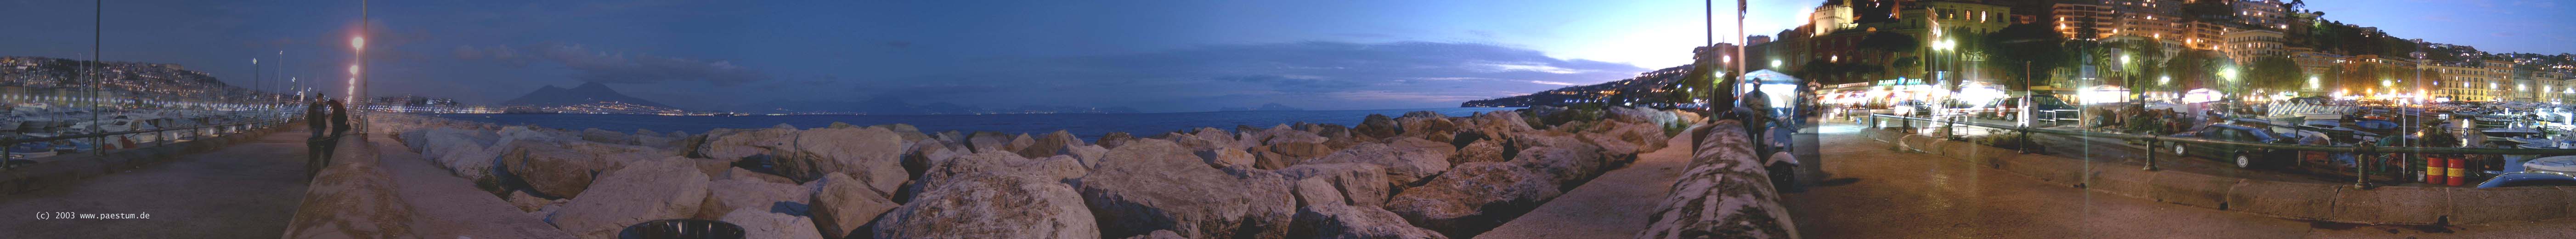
254	76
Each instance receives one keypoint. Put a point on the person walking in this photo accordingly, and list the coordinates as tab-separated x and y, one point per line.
315	146
339	118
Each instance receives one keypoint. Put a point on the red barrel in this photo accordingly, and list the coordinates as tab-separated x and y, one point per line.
2433	170
2456	172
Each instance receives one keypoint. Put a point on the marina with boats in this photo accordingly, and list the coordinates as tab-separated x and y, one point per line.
37	130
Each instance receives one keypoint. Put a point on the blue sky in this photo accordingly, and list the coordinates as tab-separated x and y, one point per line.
1159	56
2530	26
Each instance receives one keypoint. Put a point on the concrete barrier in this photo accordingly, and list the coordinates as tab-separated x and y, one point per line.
2068	172
1988	155
1962	149
2191	189
2284	199
1918	143
2399	205
352	198
2477	205
2122	181
1879	134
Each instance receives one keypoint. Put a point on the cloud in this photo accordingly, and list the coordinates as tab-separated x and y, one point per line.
1531	68
468	53
1325	75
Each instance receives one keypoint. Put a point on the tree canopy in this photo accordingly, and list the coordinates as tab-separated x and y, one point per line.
2027	52
2278	73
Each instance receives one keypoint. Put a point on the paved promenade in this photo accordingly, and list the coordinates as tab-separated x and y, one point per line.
1615	205
246	190
1881	193
449	206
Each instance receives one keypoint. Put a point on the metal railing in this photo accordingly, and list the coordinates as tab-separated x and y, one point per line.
160	139
2360	151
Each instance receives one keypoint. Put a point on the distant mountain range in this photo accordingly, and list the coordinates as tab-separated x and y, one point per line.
1264	107
587	93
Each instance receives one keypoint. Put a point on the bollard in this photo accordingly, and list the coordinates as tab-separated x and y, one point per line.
2454	174
2151	154
2361	157
2433	170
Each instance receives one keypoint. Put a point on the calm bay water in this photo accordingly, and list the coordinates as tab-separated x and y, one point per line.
1087	126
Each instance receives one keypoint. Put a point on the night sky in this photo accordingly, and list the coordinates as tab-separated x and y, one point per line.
1158	56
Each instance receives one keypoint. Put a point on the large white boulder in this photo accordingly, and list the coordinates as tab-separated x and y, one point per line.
1409	161
992	206
1051	144
1150	185
1226	156
871	154
642	191
1474	197
727	195
1056	168
758	223
566	168
844	204
987	141
745	143
1427	125
1480	151
1346	221
1355	183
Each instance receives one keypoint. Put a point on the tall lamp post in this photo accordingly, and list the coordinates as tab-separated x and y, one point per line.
254	76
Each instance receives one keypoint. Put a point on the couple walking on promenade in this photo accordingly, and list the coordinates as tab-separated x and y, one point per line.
318	148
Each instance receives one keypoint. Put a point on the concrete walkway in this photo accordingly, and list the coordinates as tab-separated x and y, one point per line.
1880	193
449	206
247	190
1615	205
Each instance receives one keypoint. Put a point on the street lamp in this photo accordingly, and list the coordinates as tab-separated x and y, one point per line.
2229	73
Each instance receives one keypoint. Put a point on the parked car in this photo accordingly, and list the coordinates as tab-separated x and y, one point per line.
1912	108
2243	156
2529	179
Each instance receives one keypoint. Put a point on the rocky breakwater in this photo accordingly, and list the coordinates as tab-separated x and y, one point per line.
1420	175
